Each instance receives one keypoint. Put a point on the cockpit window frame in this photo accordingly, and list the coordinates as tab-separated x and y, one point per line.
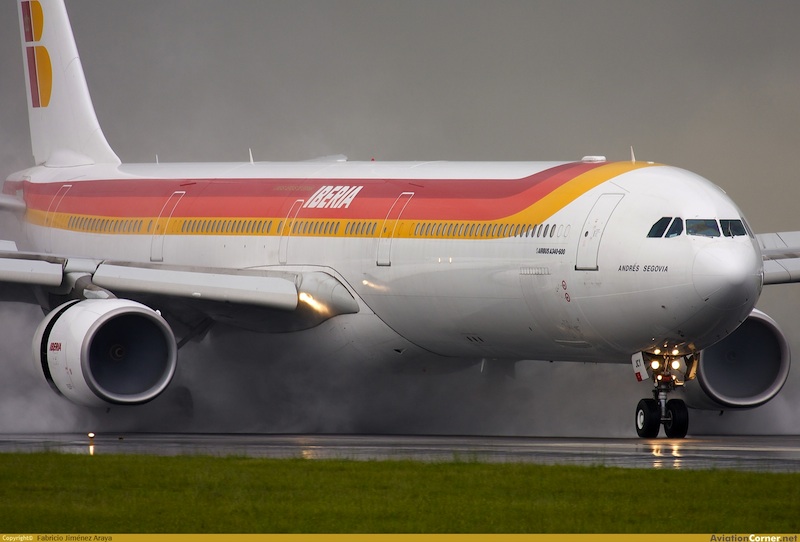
729	228
676	228
657	230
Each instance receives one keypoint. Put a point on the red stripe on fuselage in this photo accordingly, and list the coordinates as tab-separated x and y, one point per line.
440	199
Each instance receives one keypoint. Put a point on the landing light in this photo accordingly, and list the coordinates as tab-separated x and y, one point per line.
309	300
655	365
657	351
676	364
675	352
374	286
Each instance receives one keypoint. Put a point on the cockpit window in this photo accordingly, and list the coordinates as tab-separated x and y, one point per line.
659	227
732	228
706	227
676	228
748	228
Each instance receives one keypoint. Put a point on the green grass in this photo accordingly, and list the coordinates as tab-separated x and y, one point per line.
58	493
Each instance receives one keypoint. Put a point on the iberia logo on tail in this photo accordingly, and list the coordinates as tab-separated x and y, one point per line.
40	70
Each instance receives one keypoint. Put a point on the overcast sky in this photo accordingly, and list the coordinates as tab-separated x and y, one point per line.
711	86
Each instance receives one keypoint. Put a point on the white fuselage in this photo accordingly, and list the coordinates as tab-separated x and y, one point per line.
575	281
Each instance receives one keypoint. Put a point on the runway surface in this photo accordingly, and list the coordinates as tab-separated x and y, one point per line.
752	453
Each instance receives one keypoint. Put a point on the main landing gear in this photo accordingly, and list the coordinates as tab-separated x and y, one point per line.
652	413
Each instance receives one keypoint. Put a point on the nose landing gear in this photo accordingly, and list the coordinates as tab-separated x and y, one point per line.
652	413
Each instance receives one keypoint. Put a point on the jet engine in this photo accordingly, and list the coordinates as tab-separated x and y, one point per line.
744	370
101	352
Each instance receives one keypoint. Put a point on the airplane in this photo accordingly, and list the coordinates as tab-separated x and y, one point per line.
426	266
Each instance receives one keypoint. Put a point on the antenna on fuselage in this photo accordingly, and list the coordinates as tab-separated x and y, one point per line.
251	154
633	156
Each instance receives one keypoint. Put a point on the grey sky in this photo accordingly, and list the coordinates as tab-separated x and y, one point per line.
711	86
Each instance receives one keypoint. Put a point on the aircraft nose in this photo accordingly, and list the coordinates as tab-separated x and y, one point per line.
727	275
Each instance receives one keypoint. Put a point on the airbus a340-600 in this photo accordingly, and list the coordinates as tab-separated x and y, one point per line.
419	263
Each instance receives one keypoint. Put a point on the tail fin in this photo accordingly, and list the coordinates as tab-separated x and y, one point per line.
64	127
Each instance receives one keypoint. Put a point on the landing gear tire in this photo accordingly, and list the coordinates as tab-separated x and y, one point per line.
648	418
676	422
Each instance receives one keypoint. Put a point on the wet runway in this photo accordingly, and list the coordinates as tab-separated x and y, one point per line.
752	453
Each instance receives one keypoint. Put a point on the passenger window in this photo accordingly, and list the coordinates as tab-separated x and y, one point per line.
658	229
706	227
676	228
732	228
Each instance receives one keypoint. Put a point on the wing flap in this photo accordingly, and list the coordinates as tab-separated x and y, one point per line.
781	254
29	269
781	272
250	289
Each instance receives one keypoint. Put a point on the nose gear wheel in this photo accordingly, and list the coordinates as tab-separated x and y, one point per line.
648	418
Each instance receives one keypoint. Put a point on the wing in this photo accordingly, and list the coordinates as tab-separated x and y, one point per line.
781	253
11	203
261	299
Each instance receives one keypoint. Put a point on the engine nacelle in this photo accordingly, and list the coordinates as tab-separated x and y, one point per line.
98	352
744	370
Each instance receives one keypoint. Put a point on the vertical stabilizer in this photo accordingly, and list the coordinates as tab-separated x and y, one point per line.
64	127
